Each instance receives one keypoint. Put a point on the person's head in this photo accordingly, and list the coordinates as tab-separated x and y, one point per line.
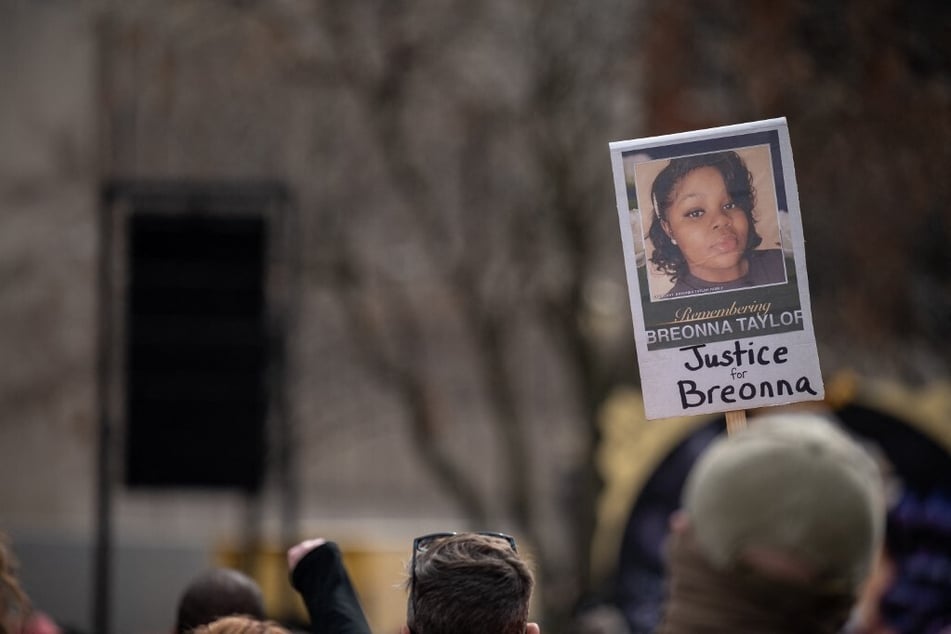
240	625
780	525
468	583
217	593
791	497
703	217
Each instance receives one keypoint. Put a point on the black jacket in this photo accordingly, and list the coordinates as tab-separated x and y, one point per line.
325	587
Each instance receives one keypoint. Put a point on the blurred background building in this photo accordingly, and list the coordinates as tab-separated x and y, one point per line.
440	329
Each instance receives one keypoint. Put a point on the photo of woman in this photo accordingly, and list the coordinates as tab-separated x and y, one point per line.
703	229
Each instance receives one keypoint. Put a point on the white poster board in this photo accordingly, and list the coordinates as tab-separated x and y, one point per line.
716	269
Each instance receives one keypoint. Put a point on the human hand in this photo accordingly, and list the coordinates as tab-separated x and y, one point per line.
297	552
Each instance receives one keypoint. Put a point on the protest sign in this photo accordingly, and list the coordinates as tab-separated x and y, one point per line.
716	269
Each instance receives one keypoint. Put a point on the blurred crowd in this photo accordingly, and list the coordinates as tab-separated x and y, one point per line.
788	525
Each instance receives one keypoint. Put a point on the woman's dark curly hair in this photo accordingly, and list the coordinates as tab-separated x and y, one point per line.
739	184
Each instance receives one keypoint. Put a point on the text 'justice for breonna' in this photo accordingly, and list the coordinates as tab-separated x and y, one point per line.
742	360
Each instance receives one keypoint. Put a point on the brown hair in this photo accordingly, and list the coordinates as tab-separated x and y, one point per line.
14	604
470	584
240	625
216	593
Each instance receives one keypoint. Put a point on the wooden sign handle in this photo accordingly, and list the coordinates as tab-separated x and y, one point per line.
735	421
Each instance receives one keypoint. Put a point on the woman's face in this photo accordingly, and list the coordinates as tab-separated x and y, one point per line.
710	230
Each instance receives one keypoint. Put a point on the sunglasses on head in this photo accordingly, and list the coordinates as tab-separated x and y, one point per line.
422	543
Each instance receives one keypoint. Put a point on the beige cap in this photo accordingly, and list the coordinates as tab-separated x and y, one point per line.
793	484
